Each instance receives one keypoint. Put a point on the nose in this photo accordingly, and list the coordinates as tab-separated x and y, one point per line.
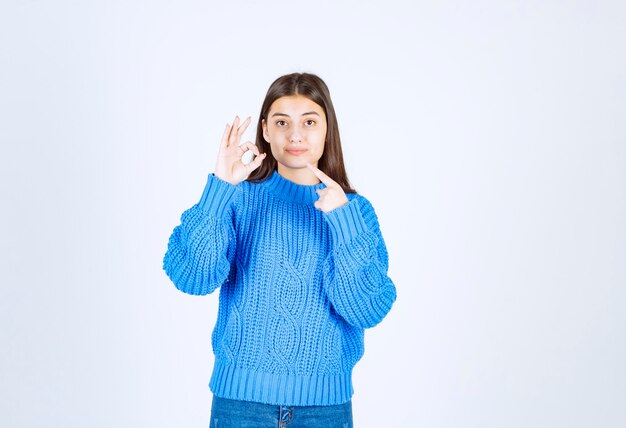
295	137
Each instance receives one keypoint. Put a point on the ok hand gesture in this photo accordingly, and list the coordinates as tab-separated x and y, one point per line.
229	165
332	196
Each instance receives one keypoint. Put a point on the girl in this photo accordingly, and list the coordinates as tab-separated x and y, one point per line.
299	259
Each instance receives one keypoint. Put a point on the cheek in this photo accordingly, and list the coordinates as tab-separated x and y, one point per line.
319	149
322	141
277	135
277	146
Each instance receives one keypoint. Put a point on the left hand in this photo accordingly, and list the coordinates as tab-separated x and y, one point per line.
332	196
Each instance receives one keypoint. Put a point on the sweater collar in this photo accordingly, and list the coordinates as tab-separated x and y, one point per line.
290	191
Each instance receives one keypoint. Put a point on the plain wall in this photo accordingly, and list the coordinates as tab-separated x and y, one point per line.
490	137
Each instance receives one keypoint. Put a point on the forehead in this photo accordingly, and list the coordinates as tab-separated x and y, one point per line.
295	105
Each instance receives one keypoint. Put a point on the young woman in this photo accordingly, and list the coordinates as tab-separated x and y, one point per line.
300	261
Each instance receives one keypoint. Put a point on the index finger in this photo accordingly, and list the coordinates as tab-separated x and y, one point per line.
322	176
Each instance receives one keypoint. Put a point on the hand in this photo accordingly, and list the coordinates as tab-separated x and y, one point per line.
332	196
229	165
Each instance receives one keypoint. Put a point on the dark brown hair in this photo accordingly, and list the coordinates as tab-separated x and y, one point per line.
314	88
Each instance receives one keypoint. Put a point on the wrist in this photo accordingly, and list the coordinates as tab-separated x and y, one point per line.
218	195
346	222
226	179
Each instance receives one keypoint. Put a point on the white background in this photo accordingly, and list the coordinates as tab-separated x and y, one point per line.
489	135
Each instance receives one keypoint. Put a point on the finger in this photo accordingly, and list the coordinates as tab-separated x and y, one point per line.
232	136
323	177
249	146
224	142
242	128
256	162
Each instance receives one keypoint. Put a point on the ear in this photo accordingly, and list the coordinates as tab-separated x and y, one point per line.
266	135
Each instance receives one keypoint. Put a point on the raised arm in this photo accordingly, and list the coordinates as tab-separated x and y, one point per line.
355	273
201	249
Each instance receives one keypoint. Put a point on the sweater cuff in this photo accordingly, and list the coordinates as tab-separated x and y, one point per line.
217	196
346	222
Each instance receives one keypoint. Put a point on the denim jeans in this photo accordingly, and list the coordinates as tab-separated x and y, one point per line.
226	413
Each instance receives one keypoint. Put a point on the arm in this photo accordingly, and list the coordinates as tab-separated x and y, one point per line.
355	273
201	249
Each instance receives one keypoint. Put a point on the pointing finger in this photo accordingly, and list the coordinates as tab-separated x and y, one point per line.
323	177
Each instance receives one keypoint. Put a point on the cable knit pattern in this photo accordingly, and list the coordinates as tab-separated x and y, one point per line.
298	287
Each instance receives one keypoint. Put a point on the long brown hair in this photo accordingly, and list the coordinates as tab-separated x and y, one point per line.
314	88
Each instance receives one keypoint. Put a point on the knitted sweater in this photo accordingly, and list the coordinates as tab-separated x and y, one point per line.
298	287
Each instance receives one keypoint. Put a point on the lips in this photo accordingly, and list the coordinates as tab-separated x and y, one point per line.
295	152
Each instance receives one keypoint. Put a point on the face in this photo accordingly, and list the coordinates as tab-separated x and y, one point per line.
296	131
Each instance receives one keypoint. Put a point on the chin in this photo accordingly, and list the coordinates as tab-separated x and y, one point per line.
296	163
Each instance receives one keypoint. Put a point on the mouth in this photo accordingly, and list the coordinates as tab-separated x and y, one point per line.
295	152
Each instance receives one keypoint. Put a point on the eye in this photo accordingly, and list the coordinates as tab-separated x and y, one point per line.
281	123
310	122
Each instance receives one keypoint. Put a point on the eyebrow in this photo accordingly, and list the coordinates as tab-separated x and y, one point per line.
303	114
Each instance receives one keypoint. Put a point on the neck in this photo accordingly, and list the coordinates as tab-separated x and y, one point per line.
299	176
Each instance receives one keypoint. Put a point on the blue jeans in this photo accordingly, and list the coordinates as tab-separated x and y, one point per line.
226	413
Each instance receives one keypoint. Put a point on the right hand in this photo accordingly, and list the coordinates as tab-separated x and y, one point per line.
229	166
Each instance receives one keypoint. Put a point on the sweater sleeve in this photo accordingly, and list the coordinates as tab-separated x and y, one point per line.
355	273
201	248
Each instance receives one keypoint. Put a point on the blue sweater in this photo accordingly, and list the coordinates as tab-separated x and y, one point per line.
298	287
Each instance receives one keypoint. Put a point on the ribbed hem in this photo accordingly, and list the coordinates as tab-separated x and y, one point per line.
280	390
346	222
217	196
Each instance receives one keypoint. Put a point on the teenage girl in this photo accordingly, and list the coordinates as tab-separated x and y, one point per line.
299	259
